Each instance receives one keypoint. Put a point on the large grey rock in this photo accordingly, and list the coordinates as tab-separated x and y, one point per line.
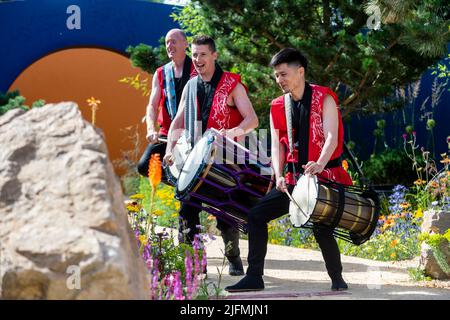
435	222
61	211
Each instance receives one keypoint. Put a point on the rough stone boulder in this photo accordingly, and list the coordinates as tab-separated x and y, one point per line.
64	232
436	222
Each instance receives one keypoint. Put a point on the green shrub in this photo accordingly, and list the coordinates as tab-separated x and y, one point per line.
389	167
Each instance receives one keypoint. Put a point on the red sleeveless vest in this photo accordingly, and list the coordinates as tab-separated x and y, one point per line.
221	115
316	134
163	116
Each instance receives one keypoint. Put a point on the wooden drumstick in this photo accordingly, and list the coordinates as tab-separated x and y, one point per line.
296	204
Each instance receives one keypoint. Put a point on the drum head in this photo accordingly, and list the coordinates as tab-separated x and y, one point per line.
305	195
180	154
195	162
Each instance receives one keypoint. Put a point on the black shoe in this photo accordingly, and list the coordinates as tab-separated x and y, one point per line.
235	267
248	283
338	284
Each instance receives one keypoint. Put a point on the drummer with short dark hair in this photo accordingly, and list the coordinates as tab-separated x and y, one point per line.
220	102
308	138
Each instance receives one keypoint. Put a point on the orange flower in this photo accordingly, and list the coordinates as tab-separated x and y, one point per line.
446	160
154	170
345	165
434	184
418	182
404	205
393	243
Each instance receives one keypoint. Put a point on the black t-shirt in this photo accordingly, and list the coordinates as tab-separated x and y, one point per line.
178	89
205	95
300	123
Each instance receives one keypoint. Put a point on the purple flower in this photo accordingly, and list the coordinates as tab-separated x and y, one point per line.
188	266
178	287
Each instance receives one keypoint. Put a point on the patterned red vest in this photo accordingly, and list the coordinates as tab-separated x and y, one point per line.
316	134
221	115
163	116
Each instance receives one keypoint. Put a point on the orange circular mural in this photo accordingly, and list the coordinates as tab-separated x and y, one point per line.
81	73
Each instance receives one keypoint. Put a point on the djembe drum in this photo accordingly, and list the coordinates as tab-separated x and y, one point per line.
352	211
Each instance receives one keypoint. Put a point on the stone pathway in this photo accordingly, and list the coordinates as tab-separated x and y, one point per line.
292	273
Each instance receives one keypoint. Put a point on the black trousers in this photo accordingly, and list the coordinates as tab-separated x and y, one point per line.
274	205
190	218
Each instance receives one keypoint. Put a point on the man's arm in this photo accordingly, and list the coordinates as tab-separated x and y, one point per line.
250	119
278	157
151	115
330	129
176	128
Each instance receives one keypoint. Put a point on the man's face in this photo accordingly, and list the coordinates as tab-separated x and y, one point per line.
175	45
288	77
204	59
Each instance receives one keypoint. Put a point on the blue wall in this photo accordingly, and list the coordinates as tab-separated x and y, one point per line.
361	128
30	30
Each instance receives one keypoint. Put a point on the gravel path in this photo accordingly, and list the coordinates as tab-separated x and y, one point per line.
292	273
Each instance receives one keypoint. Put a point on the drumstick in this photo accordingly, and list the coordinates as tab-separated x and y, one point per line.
296	204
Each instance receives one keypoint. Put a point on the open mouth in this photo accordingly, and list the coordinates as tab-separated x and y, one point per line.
200	65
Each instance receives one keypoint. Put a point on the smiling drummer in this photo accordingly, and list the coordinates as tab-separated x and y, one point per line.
214	99
307	134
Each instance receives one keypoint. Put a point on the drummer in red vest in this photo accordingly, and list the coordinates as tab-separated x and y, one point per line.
167	86
220	101
312	145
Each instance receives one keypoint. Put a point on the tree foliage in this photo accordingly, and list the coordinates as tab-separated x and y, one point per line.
362	65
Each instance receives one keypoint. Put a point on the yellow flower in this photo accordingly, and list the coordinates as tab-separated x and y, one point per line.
158	213
137	196
419	213
393	243
133	208
92	102
143	239
393	255
211	217
174	215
